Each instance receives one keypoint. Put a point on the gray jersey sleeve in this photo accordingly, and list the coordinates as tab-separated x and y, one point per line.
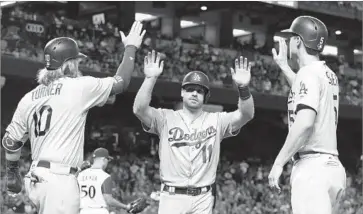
157	122
17	129
225	126
95	91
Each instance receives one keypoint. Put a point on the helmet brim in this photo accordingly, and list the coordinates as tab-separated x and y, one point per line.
287	33
193	83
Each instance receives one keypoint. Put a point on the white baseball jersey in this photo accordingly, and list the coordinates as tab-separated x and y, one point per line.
93	183
189	152
54	117
316	87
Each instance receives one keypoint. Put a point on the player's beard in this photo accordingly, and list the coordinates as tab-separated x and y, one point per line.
191	106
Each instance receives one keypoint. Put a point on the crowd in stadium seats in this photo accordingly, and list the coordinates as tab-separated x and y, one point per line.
104	48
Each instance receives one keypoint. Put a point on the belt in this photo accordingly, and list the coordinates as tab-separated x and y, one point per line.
193	191
47	164
298	155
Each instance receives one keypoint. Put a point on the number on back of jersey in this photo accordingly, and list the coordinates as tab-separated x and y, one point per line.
88	191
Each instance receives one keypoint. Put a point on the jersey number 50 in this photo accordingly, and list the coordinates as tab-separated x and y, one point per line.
38	116
88	191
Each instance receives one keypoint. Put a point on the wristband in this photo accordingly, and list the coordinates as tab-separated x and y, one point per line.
244	92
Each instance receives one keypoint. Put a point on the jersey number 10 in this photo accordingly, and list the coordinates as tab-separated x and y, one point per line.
46	110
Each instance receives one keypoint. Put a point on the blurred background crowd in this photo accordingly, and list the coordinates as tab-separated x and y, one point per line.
103	45
242	185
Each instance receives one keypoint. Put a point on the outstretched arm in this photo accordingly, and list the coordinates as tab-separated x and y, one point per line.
246	109
152	69
124	72
12	156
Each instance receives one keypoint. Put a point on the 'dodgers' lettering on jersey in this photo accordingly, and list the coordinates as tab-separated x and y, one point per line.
178	134
52	89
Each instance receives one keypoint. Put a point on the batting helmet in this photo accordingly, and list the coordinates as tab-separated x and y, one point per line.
197	78
312	31
59	50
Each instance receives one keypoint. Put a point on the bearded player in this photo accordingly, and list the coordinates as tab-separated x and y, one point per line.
53	117
318	177
190	138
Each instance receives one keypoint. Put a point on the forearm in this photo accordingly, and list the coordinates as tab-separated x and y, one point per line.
245	102
12	156
245	111
247	107
296	138
114	203
143	96
124	71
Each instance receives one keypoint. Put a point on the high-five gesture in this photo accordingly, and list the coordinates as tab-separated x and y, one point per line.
241	75
135	36
281	57
281	61
152	65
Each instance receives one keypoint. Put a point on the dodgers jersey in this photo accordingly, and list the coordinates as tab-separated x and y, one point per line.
54	117
93	183
189	152
316	86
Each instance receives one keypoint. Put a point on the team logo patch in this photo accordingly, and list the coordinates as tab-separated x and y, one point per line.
196	77
303	89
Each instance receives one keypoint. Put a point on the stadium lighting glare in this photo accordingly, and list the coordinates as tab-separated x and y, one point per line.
6	3
357	52
144	17
204	8
239	32
186	24
330	50
338	32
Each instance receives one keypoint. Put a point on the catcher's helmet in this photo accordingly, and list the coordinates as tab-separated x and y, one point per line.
59	50
197	78
312	31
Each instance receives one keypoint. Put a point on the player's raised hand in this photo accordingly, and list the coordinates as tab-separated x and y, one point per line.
135	36
241	74
153	66
281	57
274	177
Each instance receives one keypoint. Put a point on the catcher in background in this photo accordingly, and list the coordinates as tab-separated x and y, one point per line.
96	188
317	178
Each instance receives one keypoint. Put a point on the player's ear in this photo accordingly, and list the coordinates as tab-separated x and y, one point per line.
298	41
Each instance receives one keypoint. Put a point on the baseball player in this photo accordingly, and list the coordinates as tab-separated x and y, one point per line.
318	177
53	117
190	138
96	186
